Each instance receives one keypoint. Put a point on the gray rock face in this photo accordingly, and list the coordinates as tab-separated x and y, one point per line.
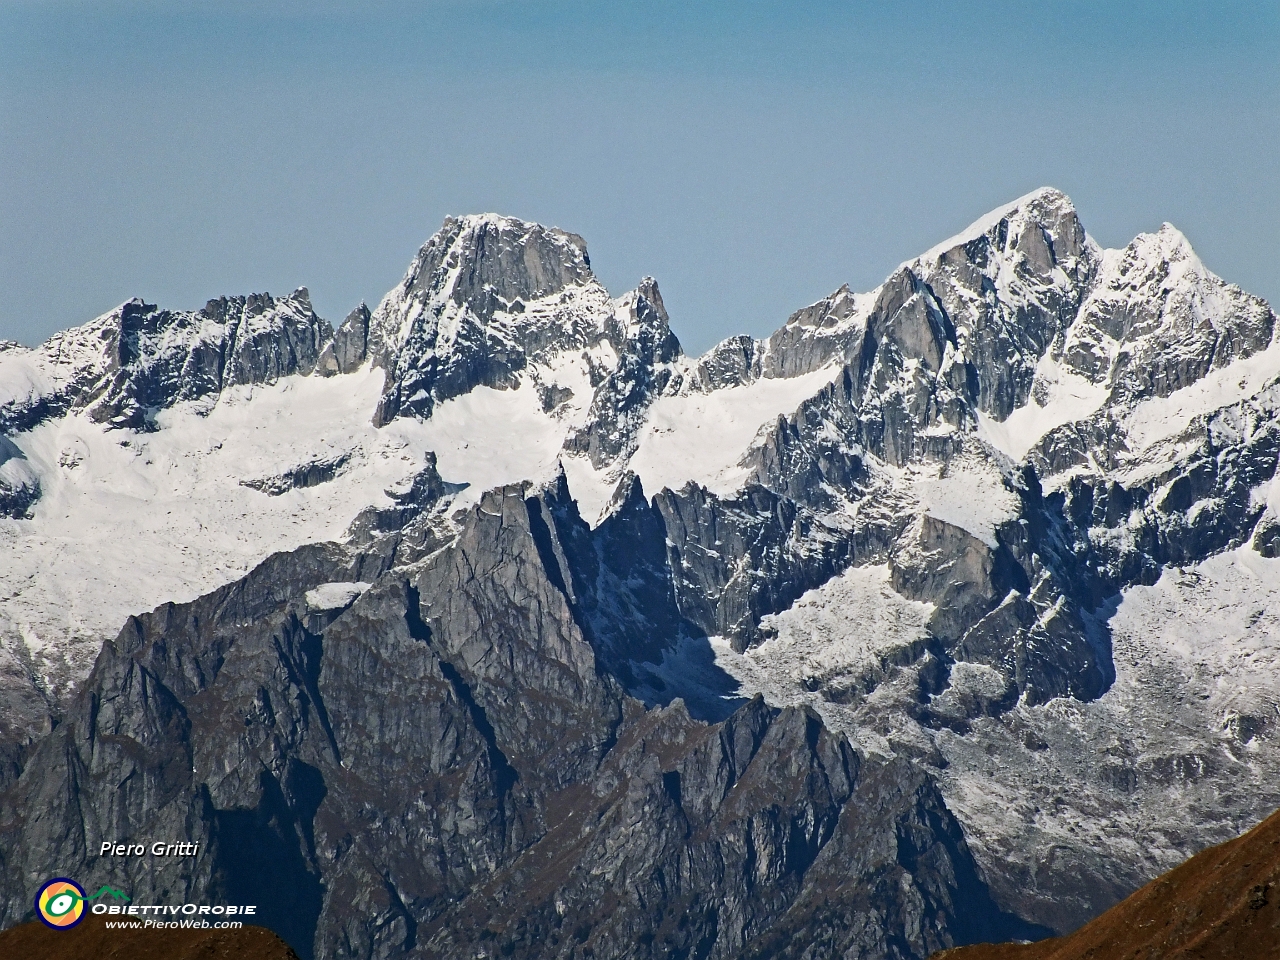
961	331
812	336
19	484
1012	290
350	345
499	261
730	363
443	768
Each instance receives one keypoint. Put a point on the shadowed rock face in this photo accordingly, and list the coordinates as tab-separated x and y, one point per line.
642	335
447	767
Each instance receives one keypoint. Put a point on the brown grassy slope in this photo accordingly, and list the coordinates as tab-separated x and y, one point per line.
1222	904
91	940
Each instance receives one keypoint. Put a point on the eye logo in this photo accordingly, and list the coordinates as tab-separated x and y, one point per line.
60	903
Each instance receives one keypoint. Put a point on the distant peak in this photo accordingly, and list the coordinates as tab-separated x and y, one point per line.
223	309
1173	239
491	262
1046	194
648	291
1167	246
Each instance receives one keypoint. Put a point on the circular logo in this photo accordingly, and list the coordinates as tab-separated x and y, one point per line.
60	903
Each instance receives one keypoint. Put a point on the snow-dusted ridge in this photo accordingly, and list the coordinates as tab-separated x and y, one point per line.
988	222
504	417
967	514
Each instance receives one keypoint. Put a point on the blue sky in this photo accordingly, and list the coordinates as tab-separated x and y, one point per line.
752	156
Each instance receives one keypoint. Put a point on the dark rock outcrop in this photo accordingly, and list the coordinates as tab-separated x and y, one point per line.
304	475
19	484
735	561
349	348
445	766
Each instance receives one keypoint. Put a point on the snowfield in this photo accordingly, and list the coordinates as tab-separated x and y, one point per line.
129	521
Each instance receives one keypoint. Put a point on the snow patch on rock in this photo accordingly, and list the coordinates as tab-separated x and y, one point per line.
843	634
1163	417
705	436
334	596
1058	397
966	495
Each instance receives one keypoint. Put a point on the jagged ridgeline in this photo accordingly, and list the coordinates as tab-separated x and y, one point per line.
491	624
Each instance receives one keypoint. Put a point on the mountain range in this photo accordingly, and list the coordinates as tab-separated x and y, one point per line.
490	623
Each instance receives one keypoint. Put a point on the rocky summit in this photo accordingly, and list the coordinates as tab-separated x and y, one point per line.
489	623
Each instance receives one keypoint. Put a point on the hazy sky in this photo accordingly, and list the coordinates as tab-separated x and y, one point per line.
752	156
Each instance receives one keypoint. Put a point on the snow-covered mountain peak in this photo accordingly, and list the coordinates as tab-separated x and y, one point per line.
488	263
644	304
952	335
1168	244
1046	210
914	509
1152	264
1156	320
639	326
484	297
513	259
